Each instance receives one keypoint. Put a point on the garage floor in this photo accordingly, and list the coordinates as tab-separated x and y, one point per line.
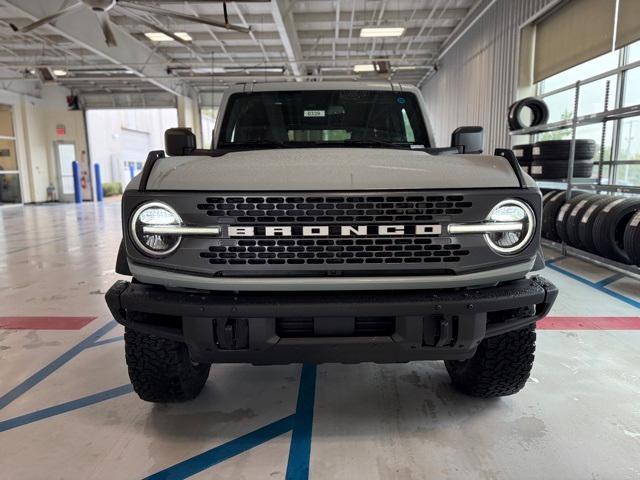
67	410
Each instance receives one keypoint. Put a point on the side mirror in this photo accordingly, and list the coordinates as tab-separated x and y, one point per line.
179	141
470	139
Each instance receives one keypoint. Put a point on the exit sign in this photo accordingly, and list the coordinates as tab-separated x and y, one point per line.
60	130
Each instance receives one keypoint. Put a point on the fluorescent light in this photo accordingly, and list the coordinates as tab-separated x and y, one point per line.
365	67
161	37
265	70
381	31
406	67
59	73
205	70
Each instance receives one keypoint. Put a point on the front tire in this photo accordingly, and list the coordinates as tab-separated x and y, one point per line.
500	366
161	370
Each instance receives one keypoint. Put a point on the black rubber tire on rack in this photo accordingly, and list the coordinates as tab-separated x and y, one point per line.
524	154
560	149
548	194
538	108
161	370
609	227
554	169
632	239
573	219
500	366
564	214
585	224
550	213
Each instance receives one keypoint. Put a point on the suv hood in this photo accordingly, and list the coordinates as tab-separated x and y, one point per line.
330	169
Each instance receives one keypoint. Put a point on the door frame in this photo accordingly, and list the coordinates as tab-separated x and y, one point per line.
62	197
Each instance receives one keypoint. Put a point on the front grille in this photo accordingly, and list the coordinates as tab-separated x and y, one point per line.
389	209
335	209
335	252
362	327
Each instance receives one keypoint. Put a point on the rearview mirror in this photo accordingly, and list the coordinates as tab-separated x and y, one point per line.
179	141
469	139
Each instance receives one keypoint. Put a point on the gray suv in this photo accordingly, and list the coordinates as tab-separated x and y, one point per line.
324	226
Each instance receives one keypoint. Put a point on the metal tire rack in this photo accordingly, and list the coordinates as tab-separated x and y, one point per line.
594	185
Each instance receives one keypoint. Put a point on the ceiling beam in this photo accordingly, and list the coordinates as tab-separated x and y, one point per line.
281	11
82	27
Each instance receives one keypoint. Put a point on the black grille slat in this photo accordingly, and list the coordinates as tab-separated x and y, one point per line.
332	210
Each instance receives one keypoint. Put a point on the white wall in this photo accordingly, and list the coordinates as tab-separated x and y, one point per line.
110	129
35	120
476	79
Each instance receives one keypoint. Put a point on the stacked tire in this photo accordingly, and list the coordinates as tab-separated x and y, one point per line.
550	159
524	154
604	225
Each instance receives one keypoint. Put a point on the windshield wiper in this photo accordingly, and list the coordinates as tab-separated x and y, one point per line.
378	142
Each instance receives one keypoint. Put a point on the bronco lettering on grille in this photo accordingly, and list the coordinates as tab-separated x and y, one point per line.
334	230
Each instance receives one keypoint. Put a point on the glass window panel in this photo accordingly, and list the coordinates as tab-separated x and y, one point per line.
6	122
634	52
8	159
593	95
631	88
629	147
10	188
628	175
560	105
605	62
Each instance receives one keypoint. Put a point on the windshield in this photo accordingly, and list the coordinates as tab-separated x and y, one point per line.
323	118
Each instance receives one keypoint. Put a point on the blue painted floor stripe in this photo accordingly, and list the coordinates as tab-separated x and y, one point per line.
602	288
225	451
300	451
611	279
108	340
64	407
44	372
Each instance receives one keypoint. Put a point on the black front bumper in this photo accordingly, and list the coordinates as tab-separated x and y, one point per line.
348	327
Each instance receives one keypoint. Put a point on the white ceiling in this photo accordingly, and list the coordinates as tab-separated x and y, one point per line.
302	40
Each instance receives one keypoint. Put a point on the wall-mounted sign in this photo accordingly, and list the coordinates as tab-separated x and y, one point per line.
61	130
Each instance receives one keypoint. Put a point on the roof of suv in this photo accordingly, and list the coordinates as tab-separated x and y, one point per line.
297	86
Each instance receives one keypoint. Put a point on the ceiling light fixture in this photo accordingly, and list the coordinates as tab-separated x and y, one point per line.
161	37
381	31
365	67
59	73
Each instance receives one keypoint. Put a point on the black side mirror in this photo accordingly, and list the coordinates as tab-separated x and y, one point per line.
179	141
470	139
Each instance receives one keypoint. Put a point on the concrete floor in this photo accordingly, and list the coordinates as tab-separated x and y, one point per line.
67	411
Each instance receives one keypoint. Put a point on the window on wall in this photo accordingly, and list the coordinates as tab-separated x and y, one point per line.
208	121
9	175
618	141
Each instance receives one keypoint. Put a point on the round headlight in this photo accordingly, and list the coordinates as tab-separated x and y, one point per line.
150	229
515	224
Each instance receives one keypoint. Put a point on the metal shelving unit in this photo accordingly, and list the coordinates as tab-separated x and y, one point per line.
589	184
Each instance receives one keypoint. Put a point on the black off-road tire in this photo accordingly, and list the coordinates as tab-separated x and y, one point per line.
585	224
524	154
610	225
564	214
550	212
573	220
560	149
161	370
500	366
632	239
553	169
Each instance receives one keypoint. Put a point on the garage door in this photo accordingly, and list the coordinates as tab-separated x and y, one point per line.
135	147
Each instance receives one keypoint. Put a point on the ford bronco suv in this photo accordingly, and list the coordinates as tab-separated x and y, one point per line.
324	225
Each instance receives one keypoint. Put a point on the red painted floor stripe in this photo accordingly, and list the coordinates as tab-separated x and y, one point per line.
590	323
44	323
